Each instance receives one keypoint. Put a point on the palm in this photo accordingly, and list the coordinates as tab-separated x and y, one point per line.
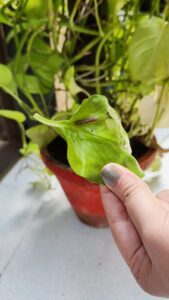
135	248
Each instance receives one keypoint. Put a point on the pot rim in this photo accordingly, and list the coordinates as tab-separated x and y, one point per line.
45	152
150	152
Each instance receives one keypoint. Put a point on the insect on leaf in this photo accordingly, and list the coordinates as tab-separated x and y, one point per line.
95	137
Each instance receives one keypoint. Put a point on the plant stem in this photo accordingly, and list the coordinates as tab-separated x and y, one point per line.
23	105
20	48
84	50
50	13
44	104
31	39
92	68
32	101
98	19
156	117
91	79
102	84
133	104
15	36
52	25
79	29
71	20
85	92
97	59
23	137
166	11
155	7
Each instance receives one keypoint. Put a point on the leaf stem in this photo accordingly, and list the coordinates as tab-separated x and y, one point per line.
98	19
156	117
20	47
23	137
97	59
83	30
72	16
84	50
23	105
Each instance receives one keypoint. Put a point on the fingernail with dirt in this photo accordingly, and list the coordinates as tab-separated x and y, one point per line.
110	175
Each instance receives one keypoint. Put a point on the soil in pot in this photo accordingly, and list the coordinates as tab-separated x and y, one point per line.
144	155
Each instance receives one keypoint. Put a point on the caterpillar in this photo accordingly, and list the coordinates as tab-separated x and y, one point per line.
86	121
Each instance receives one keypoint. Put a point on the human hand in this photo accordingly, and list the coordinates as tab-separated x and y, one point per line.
140	225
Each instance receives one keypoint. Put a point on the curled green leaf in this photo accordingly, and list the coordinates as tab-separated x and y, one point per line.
17	116
95	137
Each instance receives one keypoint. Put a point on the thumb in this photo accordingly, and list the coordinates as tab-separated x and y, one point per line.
135	195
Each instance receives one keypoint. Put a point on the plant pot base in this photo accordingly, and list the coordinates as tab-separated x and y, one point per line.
94	221
83	195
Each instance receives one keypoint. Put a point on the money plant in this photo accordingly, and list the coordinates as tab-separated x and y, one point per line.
94	72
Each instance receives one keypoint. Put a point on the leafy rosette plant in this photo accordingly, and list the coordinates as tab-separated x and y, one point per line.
64	51
95	137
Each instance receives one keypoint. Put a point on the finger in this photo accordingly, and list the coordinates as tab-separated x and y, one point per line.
136	196
124	232
163	195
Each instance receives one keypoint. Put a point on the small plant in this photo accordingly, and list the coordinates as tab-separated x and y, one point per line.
64	51
95	137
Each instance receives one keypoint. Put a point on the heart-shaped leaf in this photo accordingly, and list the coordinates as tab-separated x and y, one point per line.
148	51
45	63
95	137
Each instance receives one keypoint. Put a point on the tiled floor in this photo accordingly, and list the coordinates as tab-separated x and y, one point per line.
47	254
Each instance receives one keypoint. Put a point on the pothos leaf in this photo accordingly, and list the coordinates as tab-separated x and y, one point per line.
45	63
29	82
95	137
17	116
158	99
41	135
36	9
70	82
148	51
7	81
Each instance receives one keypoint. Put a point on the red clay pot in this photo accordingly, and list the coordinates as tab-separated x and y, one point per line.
146	160
83	195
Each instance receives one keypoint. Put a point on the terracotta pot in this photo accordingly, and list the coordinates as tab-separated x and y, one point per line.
146	160
83	195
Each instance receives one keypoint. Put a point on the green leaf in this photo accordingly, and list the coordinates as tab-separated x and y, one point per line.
70	83
41	135
45	63
4	19
36	9
7	81
114	6
95	137
156	164
22	64
148	51
6	78
29	149
149	105
13	115
29	82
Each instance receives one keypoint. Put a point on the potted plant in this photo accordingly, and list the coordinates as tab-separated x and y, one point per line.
66	51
